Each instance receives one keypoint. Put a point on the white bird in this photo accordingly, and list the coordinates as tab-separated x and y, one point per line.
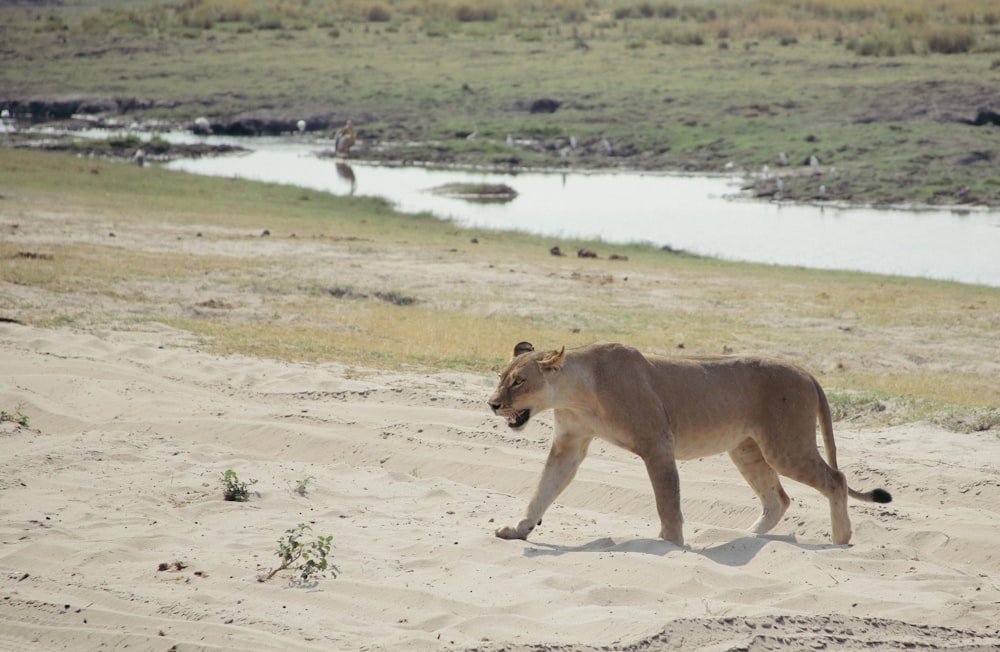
202	126
813	162
301	124
473	135
606	145
510	141
5	114
730	166
780	184
572	142
140	157
822	190
783	158
766	171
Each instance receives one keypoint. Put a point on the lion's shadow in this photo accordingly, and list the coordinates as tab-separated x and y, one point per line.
737	552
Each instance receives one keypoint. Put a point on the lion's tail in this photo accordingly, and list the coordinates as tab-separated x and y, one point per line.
826	427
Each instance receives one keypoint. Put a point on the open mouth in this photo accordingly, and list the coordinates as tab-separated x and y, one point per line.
518	419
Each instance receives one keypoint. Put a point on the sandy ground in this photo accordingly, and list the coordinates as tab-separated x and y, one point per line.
119	474
120	469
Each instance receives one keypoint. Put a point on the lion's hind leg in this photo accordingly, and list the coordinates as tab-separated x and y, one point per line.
805	465
764	481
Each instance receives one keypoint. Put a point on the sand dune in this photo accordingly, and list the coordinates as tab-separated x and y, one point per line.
130	432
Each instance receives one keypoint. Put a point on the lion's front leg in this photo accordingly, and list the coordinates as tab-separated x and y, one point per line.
662	468
564	459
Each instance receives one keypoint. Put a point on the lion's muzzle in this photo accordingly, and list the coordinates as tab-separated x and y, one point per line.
515	419
518	419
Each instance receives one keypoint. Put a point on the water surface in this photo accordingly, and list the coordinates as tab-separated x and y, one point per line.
694	213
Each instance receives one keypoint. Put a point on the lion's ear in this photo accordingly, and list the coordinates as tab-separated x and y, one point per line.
523	347
553	360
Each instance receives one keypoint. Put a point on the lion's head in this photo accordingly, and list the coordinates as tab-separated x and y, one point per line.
523	388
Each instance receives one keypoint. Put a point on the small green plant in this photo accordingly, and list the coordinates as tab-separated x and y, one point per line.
17	416
234	489
309	558
301	486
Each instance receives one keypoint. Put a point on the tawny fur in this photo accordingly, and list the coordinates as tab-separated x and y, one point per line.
761	411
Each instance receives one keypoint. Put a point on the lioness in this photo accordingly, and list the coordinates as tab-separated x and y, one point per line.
762	412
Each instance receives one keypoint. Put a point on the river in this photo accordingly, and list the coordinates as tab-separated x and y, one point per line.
697	214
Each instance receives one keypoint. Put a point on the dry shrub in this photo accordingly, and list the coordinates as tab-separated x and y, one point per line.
679	37
467	12
203	14
233	11
378	14
640	10
200	16
778	27
841	10
574	15
646	9
950	40
883	44
425	8
940	39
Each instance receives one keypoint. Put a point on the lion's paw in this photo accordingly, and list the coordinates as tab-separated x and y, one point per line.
520	531
508	532
673	535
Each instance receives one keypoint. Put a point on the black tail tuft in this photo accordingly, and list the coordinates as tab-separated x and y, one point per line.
881	496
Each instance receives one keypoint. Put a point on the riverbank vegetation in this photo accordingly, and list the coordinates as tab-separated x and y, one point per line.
893	99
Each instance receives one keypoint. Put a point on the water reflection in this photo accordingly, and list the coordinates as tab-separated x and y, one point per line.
346	172
690	213
479	193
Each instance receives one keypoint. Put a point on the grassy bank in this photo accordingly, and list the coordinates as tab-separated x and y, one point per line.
292	274
883	93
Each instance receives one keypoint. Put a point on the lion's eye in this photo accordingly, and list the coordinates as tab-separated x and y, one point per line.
517	382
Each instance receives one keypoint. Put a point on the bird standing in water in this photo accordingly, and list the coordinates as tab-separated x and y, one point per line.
344	139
